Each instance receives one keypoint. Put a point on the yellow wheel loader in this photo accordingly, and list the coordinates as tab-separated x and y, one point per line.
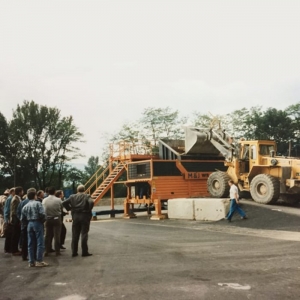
253	166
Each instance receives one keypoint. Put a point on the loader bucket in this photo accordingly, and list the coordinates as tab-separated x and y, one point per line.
198	142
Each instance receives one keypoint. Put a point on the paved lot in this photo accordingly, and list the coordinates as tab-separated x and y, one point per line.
258	258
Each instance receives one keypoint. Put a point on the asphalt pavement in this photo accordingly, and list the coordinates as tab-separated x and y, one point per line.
257	258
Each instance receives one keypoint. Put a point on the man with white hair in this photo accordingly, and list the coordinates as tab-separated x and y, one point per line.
81	206
53	210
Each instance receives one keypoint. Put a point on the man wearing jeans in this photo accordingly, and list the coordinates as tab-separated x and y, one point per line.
234	202
33	212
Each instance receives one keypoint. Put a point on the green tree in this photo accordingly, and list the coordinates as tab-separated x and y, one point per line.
43	141
4	143
271	124
203	120
160	123
142	136
6	173
91	168
73	177
129	132
92	165
128	136
233	123
293	112
236	123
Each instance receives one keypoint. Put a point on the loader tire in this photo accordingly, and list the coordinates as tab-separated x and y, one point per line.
217	184
265	189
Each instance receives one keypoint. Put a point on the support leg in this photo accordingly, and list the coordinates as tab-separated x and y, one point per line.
127	213
158	215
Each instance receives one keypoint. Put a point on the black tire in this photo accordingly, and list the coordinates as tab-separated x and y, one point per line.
217	184
265	189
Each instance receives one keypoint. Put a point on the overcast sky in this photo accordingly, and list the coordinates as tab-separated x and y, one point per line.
104	62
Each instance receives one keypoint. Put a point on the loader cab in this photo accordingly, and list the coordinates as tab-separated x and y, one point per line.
251	153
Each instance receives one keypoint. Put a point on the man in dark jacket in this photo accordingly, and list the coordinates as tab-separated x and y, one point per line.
24	223
14	220
81	206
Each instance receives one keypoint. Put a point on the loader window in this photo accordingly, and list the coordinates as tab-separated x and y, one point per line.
266	149
245	154
253	152
244	162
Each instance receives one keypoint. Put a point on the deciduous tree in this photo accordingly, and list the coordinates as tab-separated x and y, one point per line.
43	140
161	123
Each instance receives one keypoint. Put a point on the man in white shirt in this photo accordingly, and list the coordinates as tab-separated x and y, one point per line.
234	202
53	210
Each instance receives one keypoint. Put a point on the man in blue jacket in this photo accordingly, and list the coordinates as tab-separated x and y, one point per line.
33	213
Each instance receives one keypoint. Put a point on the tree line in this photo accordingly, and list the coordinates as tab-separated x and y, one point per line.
38	144
283	126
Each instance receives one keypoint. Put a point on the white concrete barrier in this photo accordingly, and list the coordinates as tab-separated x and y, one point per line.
200	209
211	209
181	208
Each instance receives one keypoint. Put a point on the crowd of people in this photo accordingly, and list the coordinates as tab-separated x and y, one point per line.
31	223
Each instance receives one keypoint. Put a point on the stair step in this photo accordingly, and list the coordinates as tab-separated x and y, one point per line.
110	177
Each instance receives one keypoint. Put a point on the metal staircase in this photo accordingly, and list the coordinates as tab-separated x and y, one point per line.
107	182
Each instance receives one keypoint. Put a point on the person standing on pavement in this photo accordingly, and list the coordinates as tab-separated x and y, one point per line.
2	204
234	202
7	225
63	232
24	225
33	213
14	220
53	210
81	206
24	235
